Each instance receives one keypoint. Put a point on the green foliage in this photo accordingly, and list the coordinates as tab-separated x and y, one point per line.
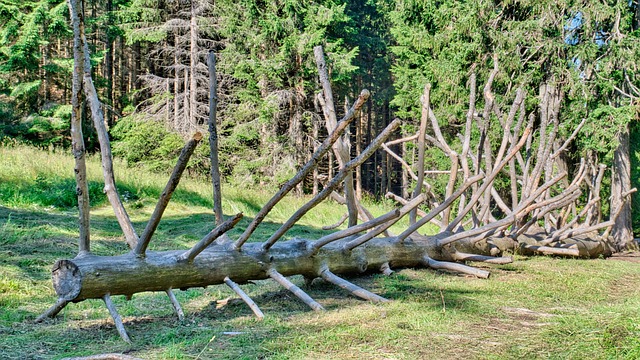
49	127
603	139
583	48
49	192
28	29
146	142
25	89
268	54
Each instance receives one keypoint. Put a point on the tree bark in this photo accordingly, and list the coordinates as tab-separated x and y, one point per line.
78	149
98	121
341	147
213	139
620	184
91	277
193	56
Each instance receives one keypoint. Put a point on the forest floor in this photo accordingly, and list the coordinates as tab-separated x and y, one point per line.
536	307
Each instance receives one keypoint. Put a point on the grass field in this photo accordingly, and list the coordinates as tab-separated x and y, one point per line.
537	307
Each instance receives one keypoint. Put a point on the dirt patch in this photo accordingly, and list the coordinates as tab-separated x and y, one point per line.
630	256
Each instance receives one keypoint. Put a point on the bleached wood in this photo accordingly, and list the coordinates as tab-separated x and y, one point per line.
341	147
175	303
294	290
246	298
209	238
97	116
426	104
386	269
308	167
350	287
53	310
337	224
487	182
455	267
117	320
460	256
165	197
413	228
415	202
316	245
342	174
77	139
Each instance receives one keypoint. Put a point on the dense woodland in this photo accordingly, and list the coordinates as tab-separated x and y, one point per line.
150	68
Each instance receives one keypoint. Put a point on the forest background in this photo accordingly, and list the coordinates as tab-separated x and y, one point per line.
149	65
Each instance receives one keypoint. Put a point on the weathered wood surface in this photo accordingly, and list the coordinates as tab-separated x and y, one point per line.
91	276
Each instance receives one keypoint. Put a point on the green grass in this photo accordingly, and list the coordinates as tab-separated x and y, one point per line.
577	309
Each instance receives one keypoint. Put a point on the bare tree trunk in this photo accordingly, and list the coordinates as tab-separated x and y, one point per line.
193	55
135	71
405	174
176	87
213	139
186	115
341	147
369	164
108	63
358	170
314	192
122	69
105	147
620	184
82	188
425	100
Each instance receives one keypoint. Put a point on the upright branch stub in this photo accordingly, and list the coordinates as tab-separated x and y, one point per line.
165	197
209	238
306	169
341	148
421	133
97	116
342	174
213	138
82	188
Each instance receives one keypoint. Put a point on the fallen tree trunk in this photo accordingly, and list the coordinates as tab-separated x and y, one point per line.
349	251
92	277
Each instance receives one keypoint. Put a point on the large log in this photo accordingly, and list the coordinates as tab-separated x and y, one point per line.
92	277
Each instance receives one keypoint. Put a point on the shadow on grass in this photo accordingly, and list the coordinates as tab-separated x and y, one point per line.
31	241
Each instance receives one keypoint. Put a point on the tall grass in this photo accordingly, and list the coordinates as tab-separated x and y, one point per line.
31	178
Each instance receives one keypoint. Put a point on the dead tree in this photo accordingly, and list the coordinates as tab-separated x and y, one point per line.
356	249
536	217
